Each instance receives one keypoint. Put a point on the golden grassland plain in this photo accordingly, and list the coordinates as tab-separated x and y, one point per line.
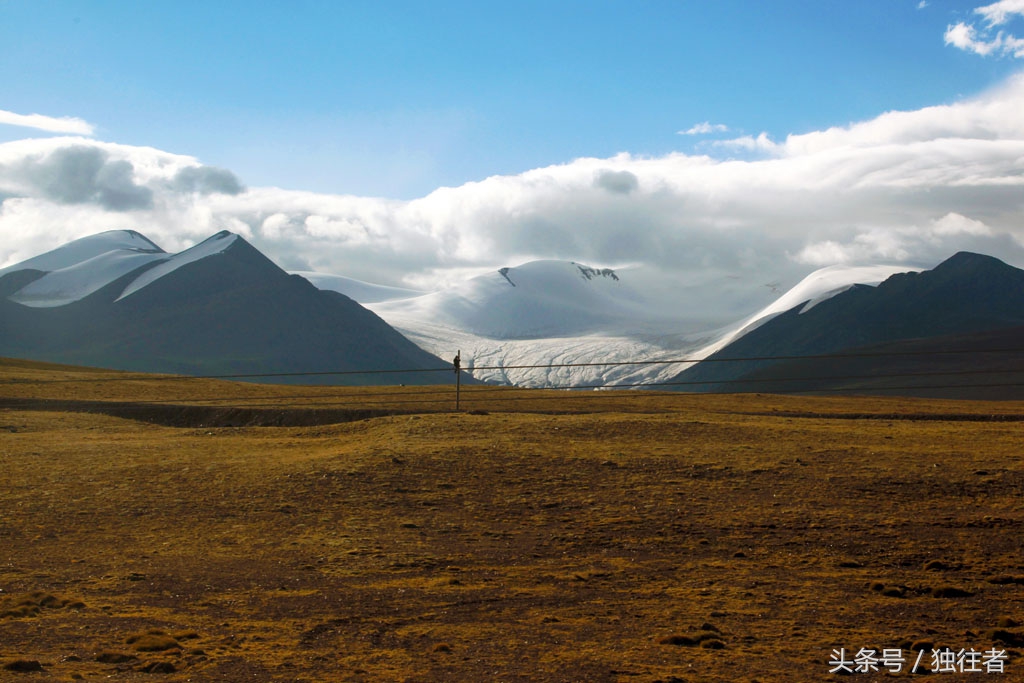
152	529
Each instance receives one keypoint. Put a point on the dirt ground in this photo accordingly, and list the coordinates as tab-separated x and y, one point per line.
155	529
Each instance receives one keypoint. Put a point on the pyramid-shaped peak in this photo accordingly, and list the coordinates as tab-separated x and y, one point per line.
217	245
968	261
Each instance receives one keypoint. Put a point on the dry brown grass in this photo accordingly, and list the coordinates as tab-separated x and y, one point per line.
552	537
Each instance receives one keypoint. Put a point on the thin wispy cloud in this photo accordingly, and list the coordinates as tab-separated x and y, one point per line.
999	13
987	40
64	124
705	128
748	143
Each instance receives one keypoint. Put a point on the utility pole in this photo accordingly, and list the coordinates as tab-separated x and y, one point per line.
458	377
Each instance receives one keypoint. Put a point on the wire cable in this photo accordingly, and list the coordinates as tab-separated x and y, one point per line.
470	369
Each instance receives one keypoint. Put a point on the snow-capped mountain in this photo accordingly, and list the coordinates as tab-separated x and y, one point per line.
85	248
117	300
79	268
955	330
566	321
819	286
212	246
536	300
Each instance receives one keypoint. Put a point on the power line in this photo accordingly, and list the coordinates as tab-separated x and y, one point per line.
475	391
361	409
470	369
323	399
391	400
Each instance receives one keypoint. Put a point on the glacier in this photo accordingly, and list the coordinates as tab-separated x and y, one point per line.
560	324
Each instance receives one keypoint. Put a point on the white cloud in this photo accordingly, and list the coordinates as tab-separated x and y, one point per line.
944	235
965	37
705	128
981	41
999	13
906	186
64	124
955	224
56	189
749	143
872	245
922	4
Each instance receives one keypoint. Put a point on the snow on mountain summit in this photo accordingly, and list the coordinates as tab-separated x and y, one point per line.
557	323
543	323
819	286
534	300
208	247
85	248
78	281
84	266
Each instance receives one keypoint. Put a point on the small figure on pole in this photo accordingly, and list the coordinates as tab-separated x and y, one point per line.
457	362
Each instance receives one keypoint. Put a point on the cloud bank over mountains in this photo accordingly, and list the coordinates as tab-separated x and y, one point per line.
903	186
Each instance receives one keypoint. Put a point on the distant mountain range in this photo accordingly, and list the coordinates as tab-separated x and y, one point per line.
117	300
956	330
555	323
558	323
222	308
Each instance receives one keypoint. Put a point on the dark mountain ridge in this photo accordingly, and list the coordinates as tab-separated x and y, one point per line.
967	297
232	312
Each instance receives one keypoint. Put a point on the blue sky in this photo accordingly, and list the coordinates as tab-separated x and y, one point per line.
418	143
395	99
